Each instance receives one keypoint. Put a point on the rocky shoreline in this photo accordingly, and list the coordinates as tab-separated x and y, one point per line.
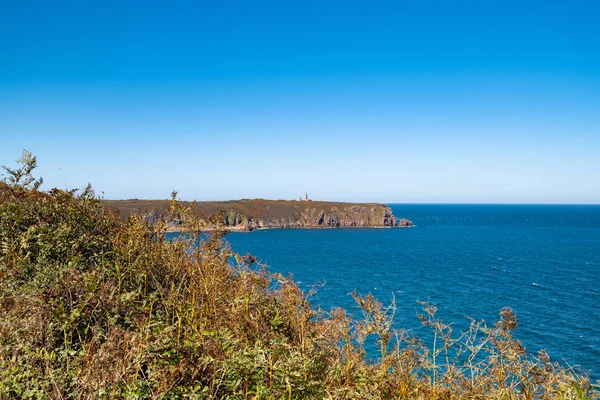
251	214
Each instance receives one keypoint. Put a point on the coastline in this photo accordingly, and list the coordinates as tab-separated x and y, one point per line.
251	214
237	229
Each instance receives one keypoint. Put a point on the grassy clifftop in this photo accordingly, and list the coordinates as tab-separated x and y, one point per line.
248	214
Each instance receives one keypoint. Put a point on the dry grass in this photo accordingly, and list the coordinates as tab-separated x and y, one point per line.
95	307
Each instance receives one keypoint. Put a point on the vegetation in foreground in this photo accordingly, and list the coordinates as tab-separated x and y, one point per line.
94	307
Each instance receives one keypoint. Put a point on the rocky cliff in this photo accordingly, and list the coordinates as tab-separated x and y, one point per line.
246	215
313	215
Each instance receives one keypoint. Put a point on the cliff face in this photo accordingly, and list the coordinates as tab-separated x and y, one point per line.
247	215
306	215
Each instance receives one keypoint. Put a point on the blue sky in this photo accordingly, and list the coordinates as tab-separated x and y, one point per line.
420	101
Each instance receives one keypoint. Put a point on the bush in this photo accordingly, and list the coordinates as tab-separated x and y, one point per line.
92	307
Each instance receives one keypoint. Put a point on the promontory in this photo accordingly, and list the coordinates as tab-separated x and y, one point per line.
250	214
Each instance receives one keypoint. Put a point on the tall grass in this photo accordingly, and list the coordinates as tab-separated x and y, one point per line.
92	307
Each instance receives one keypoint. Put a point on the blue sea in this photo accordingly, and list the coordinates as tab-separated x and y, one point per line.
543	261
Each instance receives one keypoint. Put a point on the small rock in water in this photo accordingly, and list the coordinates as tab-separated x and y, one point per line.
405	223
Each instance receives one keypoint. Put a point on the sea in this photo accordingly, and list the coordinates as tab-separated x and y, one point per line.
470	261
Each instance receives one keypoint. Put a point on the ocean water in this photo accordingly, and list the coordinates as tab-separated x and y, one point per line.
543	261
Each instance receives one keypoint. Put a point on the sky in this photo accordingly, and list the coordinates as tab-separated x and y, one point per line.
399	102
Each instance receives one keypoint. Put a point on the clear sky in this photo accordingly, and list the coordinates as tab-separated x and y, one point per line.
400	101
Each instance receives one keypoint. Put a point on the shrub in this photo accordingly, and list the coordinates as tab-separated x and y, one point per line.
92	307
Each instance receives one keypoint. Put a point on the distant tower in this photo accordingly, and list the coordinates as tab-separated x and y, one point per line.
305	196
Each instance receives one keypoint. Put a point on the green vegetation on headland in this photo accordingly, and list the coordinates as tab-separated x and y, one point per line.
95	307
250	214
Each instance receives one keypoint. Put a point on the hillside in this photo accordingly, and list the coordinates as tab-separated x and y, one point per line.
94	307
249	214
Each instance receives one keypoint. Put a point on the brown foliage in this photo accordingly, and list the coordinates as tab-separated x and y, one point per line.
95	307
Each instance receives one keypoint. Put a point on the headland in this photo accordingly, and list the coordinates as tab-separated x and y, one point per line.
250	214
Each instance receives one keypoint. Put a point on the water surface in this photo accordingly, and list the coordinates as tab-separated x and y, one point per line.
469	260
